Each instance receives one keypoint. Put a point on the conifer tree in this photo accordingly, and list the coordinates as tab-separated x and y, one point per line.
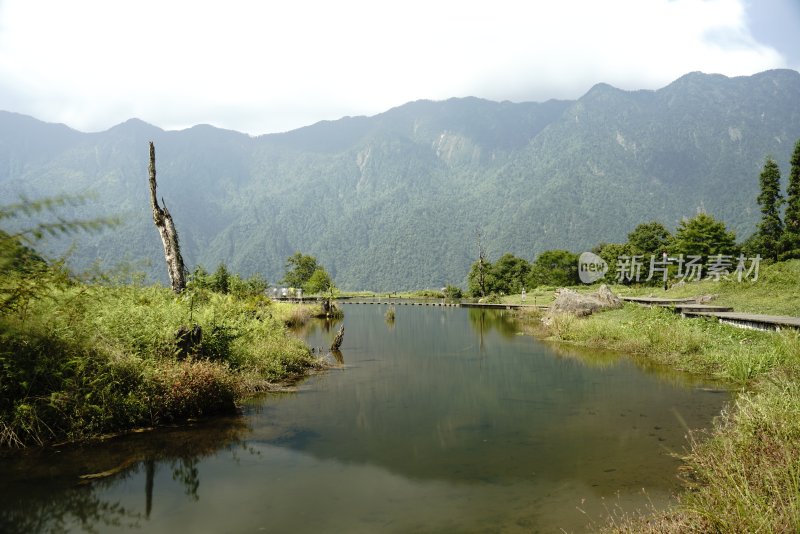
770	229
790	242
704	236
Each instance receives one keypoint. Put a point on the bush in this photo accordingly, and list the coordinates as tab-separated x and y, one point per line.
86	359
452	292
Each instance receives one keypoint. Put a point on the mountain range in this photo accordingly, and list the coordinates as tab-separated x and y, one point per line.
395	201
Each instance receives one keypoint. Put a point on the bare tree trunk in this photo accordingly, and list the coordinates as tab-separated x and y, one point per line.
337	341
169	236
481	265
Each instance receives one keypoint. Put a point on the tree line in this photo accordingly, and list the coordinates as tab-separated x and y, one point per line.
703	237
302	272
776	238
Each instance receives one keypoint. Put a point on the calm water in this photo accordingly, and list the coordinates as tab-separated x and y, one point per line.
446	420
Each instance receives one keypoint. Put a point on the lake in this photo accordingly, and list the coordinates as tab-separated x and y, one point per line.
444	420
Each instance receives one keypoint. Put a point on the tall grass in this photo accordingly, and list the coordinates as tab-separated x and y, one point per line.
701	346
776	292
746	477
81	360
743	475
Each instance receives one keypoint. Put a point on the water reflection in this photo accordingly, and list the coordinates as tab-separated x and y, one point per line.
325	324
483	321
58	490
433	401
447	422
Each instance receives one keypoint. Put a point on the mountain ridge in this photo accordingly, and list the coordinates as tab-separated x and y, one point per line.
394	200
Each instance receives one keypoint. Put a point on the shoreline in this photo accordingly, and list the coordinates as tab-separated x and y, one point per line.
87	361
731	475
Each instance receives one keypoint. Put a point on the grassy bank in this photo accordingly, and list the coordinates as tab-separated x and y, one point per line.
744	474
79	360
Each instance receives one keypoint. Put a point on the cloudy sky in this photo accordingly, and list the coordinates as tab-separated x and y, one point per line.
269	66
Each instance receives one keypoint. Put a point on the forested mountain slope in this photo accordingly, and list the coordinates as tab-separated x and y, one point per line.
394	201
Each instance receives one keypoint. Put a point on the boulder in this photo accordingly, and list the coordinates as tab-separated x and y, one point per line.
581	304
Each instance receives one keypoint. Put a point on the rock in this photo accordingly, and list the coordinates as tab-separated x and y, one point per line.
607	297
578	304
705	299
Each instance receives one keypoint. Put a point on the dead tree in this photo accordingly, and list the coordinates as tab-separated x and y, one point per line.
337	341
481	263
169	236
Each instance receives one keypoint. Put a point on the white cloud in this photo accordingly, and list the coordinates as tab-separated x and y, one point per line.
270	66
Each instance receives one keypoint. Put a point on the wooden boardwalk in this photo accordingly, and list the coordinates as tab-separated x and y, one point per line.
484	305
752	321
658	301
688	307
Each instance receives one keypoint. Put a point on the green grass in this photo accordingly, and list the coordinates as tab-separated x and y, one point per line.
744	474
81	360
700	346
776	292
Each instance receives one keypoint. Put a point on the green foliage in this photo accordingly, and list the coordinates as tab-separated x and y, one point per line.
89	359
554	268
199	279
452	292
24	274
391	201
254	286
790	241
221	279
303	271
510	274
704	236
770	228
650	238
299	269
81	359
745	475
319	282
748	472
224	282
58	225
480	280
505	276
611	252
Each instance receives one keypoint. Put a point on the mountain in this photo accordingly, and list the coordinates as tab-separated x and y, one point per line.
394	201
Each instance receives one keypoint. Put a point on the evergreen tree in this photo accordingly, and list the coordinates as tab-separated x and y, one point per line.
770	199
790	242
200	279
221	279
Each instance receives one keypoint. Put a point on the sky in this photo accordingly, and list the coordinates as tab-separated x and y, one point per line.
270	66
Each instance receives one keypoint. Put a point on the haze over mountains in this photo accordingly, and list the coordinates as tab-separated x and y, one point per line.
394	201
